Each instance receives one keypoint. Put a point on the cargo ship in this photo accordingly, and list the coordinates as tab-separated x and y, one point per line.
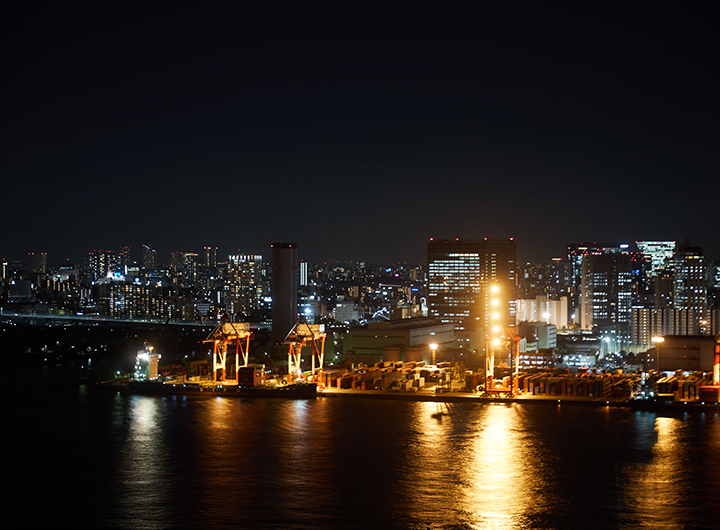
159	388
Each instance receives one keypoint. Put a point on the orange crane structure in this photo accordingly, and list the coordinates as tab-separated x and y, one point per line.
303	334
224	335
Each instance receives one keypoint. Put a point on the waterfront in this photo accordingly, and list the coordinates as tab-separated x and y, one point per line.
92	459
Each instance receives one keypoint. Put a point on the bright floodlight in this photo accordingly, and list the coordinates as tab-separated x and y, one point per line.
658	339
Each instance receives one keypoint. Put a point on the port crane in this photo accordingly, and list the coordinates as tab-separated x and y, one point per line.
224	335
304	334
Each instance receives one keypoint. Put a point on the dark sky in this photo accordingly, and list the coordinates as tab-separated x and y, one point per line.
357	132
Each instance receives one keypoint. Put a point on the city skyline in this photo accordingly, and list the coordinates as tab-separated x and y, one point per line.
357	134
161	257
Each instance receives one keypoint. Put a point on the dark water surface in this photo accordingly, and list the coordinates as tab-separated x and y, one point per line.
82	458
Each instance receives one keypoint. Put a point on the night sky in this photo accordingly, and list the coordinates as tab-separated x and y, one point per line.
357	132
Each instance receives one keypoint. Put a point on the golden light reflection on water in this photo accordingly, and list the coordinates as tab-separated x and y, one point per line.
481	464
498	489
651	488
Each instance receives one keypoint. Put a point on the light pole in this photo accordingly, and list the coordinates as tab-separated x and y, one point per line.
657	341
433	348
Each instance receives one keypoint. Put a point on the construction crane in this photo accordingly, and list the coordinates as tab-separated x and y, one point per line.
299	336
223	336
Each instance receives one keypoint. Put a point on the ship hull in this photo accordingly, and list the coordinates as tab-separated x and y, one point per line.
299	391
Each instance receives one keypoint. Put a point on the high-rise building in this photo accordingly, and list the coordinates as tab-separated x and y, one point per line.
123	259
176	260
460	276
38	262
690	283
210	257
149	257
658	253
243	287
664	287
606	290
303	273
188	269
284	289
101	263
576	253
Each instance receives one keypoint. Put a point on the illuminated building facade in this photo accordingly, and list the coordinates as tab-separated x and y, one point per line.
606	290
243	285
102	263
303	273
460	273
543	309
658	253
576	254
210	256
125	300
690	284
650	322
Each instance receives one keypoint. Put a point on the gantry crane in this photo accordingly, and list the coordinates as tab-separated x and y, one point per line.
224	335
300	335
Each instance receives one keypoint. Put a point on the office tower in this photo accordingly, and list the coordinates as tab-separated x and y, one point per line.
690	283
576	253
606	291
38	262
558	281
149	257
460	276
303	273
102	263
176	260
210	257
123	259
284	289
189	270
658	253
243	287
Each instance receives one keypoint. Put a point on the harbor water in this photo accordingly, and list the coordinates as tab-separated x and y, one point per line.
83	458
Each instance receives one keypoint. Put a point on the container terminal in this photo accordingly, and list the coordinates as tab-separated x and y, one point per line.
232	375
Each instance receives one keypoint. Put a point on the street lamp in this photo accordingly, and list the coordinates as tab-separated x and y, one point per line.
657	341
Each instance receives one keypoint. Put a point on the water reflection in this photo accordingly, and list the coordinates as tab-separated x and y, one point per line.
663	492
474	462
143	458
498	492
150	462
